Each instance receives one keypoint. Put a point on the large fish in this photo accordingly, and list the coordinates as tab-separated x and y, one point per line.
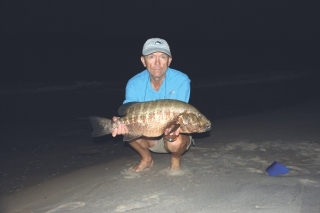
152	118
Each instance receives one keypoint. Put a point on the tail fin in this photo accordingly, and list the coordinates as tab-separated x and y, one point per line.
101	126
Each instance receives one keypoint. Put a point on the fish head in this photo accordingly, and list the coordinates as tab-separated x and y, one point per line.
191	122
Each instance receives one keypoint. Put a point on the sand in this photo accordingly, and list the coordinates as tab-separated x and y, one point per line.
51	164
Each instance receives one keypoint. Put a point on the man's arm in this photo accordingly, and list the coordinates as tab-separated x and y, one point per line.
132	93
183	91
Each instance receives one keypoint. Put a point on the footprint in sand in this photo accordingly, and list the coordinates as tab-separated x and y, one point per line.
294	170
128	173
184	171
253	170
308	182
150	200
144	202
67	207
257	159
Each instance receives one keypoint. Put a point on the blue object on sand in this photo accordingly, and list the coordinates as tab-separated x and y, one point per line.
277	168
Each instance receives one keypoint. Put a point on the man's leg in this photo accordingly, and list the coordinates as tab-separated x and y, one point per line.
177	148
141	145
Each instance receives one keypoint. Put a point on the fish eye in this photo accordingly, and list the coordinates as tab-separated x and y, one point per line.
199	115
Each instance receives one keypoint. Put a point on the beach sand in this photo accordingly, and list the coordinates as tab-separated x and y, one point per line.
49	162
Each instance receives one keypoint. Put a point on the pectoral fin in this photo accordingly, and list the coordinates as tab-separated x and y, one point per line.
172	127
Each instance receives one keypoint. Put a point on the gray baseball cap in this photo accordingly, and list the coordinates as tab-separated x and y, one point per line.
156	45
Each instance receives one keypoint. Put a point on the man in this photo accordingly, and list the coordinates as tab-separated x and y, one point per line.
158	81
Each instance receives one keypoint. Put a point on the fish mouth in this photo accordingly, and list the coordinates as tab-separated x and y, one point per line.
204	129
207	128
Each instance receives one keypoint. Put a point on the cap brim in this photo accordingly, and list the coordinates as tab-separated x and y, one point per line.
153	50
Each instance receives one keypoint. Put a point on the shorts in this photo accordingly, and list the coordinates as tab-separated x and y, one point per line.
159	147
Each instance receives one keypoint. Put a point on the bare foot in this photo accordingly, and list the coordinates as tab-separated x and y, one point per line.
142	165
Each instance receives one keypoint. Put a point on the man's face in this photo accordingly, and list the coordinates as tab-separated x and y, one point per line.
156	63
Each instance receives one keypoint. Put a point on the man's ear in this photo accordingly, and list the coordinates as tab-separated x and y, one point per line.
169	61
143	61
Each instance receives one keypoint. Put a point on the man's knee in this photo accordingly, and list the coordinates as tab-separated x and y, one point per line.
180	144
140	142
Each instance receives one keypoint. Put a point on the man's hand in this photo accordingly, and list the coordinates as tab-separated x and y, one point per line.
120	130
171	136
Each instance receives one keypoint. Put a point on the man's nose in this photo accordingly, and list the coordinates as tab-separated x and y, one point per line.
157	61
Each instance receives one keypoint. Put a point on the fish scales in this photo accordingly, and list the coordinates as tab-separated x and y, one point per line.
151	118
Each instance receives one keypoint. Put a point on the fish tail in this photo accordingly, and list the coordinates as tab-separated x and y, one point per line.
100	126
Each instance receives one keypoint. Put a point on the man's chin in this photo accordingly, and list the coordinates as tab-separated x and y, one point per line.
157	76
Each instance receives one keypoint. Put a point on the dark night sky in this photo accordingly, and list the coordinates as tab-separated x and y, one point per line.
97	40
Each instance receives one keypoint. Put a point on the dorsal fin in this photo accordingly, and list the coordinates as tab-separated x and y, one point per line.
123	108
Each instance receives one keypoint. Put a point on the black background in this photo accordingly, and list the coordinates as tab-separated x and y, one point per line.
55	41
